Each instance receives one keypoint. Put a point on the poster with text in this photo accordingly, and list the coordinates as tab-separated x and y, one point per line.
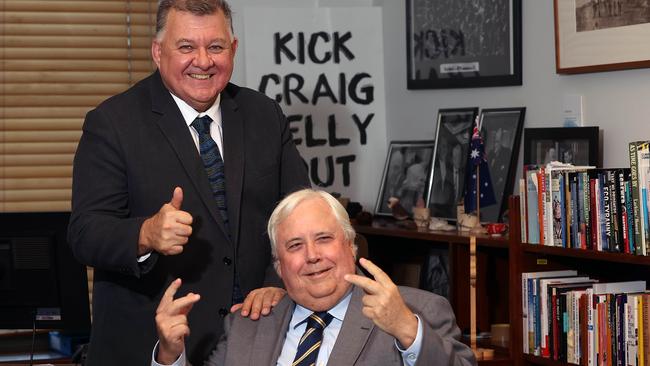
324	66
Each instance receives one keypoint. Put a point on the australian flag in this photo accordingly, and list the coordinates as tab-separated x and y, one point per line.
477	159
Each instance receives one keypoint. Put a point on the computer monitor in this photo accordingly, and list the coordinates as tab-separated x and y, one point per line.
39	278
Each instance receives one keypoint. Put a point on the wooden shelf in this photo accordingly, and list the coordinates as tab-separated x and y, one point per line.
587	254
391	228
537	360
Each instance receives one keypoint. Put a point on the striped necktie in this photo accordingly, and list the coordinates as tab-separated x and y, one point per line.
310	341
213	164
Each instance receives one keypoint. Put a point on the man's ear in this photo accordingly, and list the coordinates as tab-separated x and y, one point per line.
156	49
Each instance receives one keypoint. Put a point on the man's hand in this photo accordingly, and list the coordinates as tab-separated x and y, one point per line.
168	230
171	322
384	305
259	301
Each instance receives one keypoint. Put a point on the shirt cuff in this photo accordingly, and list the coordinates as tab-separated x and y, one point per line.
180	361
410	355
144	257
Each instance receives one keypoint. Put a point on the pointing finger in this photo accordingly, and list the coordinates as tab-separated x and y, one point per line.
168	296
379	275
370	286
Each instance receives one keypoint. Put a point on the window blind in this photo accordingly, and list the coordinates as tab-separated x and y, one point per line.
58	60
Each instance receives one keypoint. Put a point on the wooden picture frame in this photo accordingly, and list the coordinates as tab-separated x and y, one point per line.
406	175
575	145
593	36
501	129
453	133
463	43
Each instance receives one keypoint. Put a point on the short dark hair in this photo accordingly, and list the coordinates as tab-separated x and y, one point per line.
196	7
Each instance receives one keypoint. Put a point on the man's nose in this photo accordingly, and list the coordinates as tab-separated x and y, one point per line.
203	59
312	252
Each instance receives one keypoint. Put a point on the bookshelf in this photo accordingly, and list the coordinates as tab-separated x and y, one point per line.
391	246
500	261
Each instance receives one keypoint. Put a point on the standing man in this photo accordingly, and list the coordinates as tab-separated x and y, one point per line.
176	177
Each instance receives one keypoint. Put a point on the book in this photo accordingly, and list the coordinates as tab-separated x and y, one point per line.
527	317
634	189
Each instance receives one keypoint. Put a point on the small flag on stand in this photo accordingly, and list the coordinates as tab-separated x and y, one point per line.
477	160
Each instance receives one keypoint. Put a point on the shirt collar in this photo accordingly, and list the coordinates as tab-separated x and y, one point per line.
190	114
300	313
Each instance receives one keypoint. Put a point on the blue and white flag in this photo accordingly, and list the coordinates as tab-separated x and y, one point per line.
477	159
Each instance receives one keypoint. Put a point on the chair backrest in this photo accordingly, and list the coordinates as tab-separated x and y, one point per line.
362	245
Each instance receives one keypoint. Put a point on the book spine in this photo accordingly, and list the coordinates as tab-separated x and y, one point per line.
623	211
586	212
634	182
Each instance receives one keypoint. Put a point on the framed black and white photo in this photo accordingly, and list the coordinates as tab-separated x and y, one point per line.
463	43
453	132
601	35
406	175
501	130
574	145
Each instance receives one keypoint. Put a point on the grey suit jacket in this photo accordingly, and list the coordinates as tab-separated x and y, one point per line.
135	148
360	342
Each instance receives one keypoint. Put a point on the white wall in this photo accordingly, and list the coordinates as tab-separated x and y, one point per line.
618	102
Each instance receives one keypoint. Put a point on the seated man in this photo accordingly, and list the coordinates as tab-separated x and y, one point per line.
331	315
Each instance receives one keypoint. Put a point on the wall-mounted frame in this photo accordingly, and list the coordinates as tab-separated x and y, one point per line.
453	132
575	145
597	35
501	129
463	43
406	175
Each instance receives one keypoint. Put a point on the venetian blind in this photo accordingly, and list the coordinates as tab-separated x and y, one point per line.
59	59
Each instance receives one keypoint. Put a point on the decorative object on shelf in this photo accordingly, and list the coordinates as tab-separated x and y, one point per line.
466	222
406	175
496	228
364	218
397	210
421	217
453	131
593	36
440	224
573	145
501	131
463	43
479	187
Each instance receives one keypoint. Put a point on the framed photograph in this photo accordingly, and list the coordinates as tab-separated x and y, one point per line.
601	35
453	132
463	43
574	145
406	175
501	129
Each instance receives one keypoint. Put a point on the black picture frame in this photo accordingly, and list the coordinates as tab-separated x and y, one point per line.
406	175
447	183
575	145
501	129
463	43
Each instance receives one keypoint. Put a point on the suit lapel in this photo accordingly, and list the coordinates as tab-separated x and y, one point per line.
175	130
354	333
271	334
233	146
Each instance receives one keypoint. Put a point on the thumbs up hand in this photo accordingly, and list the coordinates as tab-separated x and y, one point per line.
168	230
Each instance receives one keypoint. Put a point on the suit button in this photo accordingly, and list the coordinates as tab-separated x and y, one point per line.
223	312
227	261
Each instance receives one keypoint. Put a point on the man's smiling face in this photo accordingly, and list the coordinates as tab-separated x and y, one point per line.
195	56
314	255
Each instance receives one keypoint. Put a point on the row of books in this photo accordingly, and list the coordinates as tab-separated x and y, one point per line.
576	319
587	208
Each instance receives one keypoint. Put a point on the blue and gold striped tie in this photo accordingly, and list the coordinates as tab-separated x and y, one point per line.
213	164
310	341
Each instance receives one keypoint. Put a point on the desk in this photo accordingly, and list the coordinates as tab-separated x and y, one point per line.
15	348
